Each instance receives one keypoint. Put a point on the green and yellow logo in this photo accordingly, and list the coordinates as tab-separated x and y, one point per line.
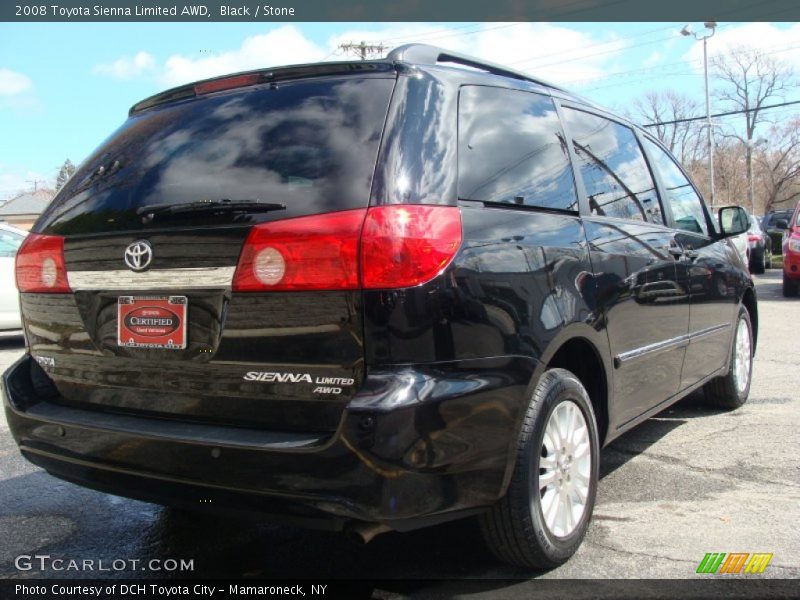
734	563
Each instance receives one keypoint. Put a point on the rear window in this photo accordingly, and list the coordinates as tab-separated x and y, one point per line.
310	145
771	220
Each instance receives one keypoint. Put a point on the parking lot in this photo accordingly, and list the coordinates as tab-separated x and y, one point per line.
687	482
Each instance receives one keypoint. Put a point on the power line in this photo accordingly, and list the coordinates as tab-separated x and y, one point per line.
776	49
724	114
448	33
611	51
606	43
434	33
623	48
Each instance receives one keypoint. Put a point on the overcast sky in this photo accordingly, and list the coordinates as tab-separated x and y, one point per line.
65	86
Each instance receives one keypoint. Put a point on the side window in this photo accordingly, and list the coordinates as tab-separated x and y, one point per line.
511	148
614	171
687	207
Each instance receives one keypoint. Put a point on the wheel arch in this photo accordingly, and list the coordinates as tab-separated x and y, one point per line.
584	351
582	358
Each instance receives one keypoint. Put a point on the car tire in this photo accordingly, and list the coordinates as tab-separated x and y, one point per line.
789	287
758	262
730	391
536	524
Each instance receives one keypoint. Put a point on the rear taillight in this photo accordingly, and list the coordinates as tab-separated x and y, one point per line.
40	265
400	246
403	246
753	238
319	252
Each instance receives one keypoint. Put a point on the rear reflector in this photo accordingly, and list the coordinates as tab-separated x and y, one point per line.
399	246
40	265
406	245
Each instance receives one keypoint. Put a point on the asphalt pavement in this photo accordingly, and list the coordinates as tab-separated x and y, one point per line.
689	481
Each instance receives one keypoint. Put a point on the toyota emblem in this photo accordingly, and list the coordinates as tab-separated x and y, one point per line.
139	255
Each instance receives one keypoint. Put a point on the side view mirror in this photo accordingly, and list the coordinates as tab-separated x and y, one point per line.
733	220
782	224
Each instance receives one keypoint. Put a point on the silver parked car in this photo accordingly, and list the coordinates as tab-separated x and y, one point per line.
10	241
740	242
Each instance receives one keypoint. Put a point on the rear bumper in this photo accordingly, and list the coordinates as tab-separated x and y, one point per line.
417	445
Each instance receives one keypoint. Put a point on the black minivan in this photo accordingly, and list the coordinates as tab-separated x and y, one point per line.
373	296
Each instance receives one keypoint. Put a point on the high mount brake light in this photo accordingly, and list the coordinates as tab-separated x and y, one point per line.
227	83
397	246
40	265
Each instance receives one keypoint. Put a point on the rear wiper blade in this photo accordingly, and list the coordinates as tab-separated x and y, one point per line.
223	205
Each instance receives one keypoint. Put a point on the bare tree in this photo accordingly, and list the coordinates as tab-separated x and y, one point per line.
683	139
731	184
779	165
750	79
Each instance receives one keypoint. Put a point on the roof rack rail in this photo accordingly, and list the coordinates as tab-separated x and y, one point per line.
430	55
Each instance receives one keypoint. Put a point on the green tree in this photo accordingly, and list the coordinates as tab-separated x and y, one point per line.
64	173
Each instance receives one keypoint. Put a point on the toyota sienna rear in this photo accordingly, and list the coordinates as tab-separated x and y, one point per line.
370	296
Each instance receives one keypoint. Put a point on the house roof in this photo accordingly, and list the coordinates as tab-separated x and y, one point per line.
29	203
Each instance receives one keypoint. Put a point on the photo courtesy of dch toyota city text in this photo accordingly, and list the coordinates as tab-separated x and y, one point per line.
407	300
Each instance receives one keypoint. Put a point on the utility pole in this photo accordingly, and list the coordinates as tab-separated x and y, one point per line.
35	183
363	50
686	31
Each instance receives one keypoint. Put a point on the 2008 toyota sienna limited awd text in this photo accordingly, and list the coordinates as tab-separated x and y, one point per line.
373	296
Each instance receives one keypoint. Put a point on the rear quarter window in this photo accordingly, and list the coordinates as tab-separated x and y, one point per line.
511	148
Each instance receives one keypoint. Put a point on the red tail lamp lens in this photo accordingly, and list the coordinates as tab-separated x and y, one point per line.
406	245
319	252
40	265
400	246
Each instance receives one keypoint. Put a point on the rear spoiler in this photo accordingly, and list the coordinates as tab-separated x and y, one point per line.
248	78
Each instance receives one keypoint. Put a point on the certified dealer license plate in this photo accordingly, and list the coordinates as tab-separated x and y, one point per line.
152	322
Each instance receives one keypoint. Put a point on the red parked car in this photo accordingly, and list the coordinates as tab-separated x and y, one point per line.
791	255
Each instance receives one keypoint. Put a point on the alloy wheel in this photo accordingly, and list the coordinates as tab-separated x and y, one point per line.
565	465
742	356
